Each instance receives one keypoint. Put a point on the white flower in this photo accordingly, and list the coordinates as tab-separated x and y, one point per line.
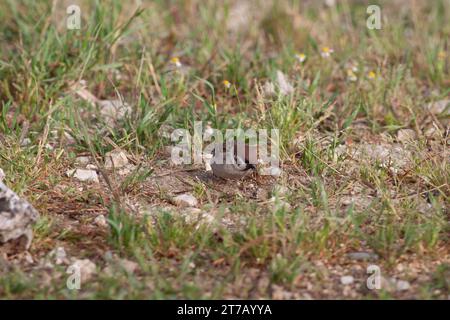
351	76
371	75
176	62
301	57
226	84
326	52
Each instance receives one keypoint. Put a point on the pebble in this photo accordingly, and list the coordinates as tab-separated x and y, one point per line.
185	200
100	221
402	285
116	159
346	280
83	160
83	175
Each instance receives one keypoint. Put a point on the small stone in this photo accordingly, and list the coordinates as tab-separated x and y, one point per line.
100	221
438	107
86	268
362	256
346	280
185	200
91	166
406	135
402	285
116	159
83	160
83	175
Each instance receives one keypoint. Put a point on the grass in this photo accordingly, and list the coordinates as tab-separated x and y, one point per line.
240	243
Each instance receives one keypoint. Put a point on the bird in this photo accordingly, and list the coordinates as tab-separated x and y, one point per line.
230	163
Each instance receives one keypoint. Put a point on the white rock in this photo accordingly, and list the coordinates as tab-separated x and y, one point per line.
116	159
402	285
346	280
185	200
83	175
83	160
86	268
100	221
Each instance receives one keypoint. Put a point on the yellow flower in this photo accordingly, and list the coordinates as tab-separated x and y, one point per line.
351	76
441	55
176	61
326	52
371	75
226	84
301	57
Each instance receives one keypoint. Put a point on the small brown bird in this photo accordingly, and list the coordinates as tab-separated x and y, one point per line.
229	162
